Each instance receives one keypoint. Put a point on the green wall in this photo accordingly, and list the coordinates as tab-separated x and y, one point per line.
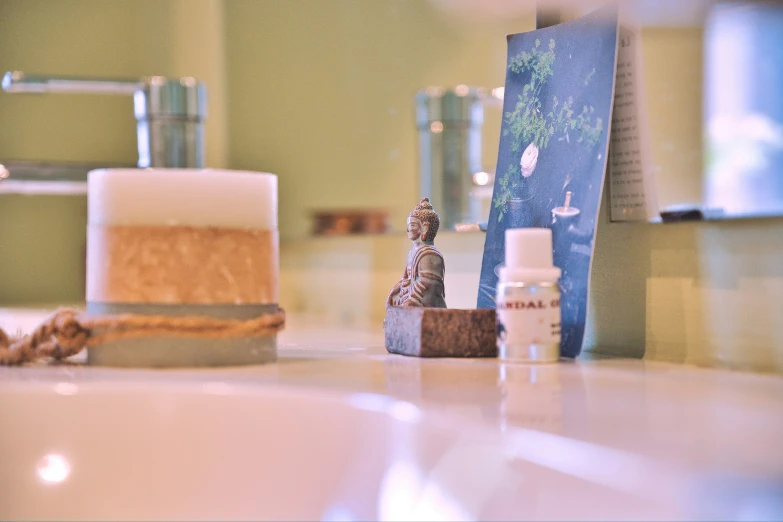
42	238
321	93
78	37
42	249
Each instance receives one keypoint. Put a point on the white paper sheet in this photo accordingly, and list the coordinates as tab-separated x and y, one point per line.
631	184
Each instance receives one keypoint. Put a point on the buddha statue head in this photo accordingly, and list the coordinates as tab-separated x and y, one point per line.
423	223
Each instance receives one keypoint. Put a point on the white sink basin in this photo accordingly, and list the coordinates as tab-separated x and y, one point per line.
318	436
218	451
192	451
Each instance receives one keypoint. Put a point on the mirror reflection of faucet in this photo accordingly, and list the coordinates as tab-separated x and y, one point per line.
450	135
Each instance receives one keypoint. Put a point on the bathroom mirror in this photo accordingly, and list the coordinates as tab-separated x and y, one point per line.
323	92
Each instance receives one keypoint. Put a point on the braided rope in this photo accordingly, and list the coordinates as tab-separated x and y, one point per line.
69	331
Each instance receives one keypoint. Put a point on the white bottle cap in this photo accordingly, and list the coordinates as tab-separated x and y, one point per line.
529	256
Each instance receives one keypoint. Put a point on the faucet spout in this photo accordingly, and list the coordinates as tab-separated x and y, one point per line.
17	81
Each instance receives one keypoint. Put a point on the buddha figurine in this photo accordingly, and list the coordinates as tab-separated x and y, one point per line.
422	282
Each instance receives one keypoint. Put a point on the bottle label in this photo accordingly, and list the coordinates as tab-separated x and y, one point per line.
526	318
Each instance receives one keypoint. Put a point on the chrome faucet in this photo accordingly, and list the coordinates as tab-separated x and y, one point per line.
170	113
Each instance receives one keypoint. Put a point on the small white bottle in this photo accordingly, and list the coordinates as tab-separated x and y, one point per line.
528	298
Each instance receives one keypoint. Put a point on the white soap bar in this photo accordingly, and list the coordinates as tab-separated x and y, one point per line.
184	197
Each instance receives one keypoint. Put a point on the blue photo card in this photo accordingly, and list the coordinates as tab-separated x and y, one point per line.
553	149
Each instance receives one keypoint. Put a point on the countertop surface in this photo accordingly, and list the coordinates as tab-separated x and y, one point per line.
723	429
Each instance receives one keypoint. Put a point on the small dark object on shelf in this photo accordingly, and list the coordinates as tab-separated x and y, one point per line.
349	222
682	214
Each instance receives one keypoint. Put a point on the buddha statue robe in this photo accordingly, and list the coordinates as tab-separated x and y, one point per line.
422	281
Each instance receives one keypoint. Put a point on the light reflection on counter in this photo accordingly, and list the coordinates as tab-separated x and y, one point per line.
53	469
217	388
406	495
65	388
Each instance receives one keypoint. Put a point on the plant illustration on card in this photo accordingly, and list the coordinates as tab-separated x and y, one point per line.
552	155
532	126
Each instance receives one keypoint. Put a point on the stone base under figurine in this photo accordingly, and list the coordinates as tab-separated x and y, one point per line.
440	332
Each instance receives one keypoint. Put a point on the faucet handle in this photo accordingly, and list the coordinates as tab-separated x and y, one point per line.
17	81
169	111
